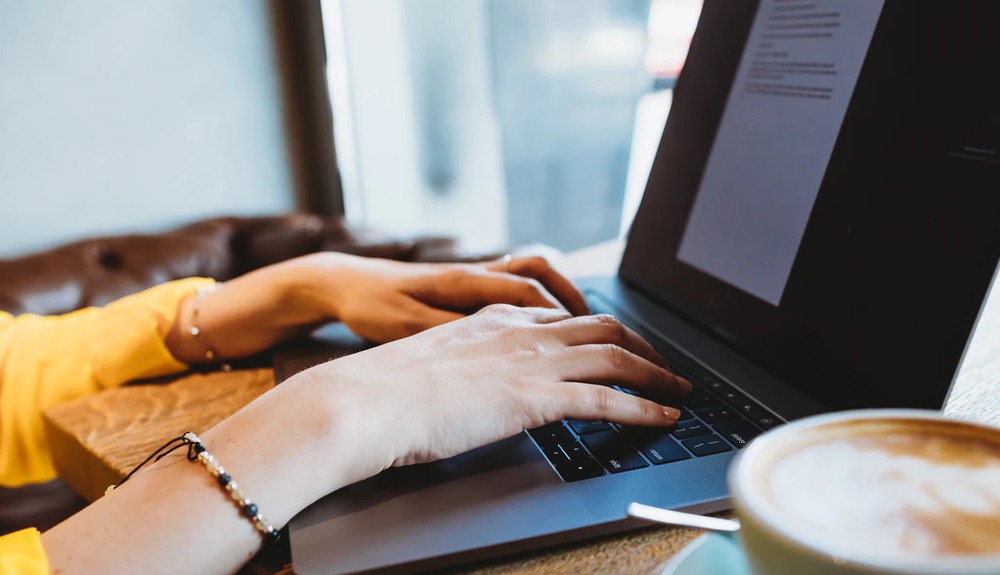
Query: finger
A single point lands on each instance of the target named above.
(575, 400)
(603, 328)
(476, 289)
(611, 364)
(538, 268)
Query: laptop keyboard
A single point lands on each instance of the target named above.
(715, 418)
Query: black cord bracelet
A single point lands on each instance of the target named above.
(196, 452)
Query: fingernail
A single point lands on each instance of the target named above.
(672, 413)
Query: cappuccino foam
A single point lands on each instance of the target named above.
(896, 486)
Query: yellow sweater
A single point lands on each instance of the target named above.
(49, 360)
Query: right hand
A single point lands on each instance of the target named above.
(490, 376)
(433, 395)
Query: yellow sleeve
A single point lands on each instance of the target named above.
(46, 360)
(21, 553)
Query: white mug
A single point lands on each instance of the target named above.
(774, 540)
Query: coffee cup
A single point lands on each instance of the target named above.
(871, 492)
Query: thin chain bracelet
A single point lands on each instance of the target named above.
(195, 328)
(197, 332)
(196, 452)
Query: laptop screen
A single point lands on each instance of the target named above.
(826, 195)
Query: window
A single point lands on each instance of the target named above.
(501, 121)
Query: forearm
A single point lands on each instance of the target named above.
(174, 518)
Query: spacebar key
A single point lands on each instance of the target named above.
(613, 452)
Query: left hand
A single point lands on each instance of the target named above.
(384, 300)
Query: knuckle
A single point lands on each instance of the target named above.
(604, 399)
(498, 310)
(617, 357)
(533, 350)
(556, 314)
(537, 262)
(495, 318)
(614, 329)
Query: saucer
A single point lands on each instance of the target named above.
(710, 554)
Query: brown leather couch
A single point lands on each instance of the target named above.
(99, 270)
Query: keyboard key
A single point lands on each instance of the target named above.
(691, 428)
(761, 418)
(706, 445)
(734, 398)
(714, 384)
(663, 450)
(577, 470)
(740, 403)
(579, 464)
(575, 451)
(551, 435)
(767, 422)
(700, 399)
(739, 433)
(717, 414)
(613, 452)
(555, 455)
(637, 434)
(685, 415)
(585, 427)
(747, 408)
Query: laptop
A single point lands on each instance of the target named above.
(819, 229)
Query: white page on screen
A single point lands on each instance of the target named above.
(788, 101)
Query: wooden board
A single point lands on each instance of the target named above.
(96, 440)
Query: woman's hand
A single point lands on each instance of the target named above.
(380, 300)
(384, 300)
(436, 394)
(487, 377)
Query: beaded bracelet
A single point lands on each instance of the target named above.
(196, 452)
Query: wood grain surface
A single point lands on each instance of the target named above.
(98, 439)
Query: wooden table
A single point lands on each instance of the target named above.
(98, 439)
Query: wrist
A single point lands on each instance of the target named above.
(179, 341)
(308, 285)
(287, 449)
(353, 434)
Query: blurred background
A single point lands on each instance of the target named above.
(500, 122)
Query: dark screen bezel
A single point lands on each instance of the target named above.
(795, 341)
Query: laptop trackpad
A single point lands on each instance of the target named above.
(493, 495)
